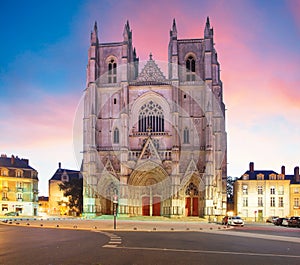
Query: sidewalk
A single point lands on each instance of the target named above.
(122, 224)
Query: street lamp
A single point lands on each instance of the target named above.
(115, 210)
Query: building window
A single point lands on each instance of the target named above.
(186, 136)
(116, 136)
(272, 177)
(260, 202)
(245, 190)
(272, 201)
(280, 190)
(115, 101)
(296, 202)
(4, 196)
(151, 118)
(18, 173)
(272, 190)
(245, 202)
(260, 177)
(190, 69)
(280, 201)
(260, 190)
(112, 71)
(296, 190)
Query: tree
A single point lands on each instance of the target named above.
(73, 190)
(229, 187)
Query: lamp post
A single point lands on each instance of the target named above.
(115, 210)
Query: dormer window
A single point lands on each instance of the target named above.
(112, 71)
(190, 69)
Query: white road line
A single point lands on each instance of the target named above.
(213, 252)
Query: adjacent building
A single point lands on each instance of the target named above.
(259, 194)
(154, 142)
(58, 203)
(18, 186)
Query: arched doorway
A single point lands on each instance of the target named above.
(149, 184)
(191, 200)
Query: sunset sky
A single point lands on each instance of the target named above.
(43, 59)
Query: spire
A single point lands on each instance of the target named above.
(94, 34)
(208, 32)
(173, 32)
(127, 32)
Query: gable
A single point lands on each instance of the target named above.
(151, 72)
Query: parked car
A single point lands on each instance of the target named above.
(285, 222)
(271, 219)
(235, 220)
(12, 214)
(280, 220)
(294, 221)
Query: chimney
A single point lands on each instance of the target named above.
(283, 170)
(12, 159)
(251, 167)
(296, 174)
(59, 165)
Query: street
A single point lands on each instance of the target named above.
(28, 245)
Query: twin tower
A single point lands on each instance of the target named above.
(154, 142)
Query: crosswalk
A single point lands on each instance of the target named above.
(114, 240)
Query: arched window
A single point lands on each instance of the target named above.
(190, 69)
(186, 136)
(191, 190)
(151, 118)
(112, 71)
(116, 136)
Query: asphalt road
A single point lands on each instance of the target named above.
(39, 246)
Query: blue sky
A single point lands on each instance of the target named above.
(43, 59)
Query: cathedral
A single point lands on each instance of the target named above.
(154, 138)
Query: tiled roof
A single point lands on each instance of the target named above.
(71, 174)
(253, 174)
(14, 162)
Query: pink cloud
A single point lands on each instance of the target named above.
(29, 124)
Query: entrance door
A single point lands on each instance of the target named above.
(146, 206)
(188, 206)
(260, 215)
(195, 206)
(191, 206)
(108, 207)
(156, 206)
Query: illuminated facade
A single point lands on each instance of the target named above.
(157, 144)
(259, 194)
(58, 203)
(295, 193)
(18, 186)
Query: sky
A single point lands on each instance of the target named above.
(43, 58)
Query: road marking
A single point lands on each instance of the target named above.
(212, 252)
(114, 240)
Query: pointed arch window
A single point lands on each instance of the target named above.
(112, 71)
(186, 136)
(116, 136)
(191, 190)
(151, 118)
(190, 65)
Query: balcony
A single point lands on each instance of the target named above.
(19, 189)
(19, 199)
(4, 199)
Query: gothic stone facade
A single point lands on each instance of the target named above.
(156, 145)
